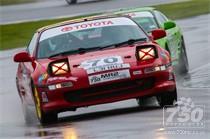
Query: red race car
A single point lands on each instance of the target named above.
(93, 61)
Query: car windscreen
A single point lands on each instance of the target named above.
(145, 19)
(87, 35)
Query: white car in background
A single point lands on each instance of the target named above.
(71, 1)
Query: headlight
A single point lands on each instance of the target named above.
(59, 68)
(146, 53)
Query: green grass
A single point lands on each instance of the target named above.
(18, 35)
(9, 2)
(185, 9)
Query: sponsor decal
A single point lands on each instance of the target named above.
(56, 78)
(52, 79)
(107, 67)
(109, 76)
(42, 78)
(131, 14)
(139, 14)
(86, 25)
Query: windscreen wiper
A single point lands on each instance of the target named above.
(79, 50)
(83, 50)
(131, 41)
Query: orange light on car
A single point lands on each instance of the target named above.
(60, 68)
(146, 53)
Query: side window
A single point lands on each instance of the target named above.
(166, 19)
(32, 44)
(160, 17)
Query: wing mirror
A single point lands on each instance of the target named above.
(158, 34)
(22, 57)
(169, 25)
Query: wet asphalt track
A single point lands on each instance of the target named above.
(120, 120)
(45, 9)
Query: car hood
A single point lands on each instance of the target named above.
(81, 63)
(126, 54)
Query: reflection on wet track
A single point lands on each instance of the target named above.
(115, 120)
(199, 78)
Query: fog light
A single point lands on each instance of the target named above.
(138, 72)
(155, 69)
(51, 87)
(162, 68)
(60, 85)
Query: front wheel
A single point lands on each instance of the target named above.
(43, 117)
(144, 101)
(183, 60)
(167, 99)
(71, 1)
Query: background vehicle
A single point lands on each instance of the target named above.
(71, 1)
(150, 18)
(90, 62)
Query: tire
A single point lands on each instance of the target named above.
(167, 99)
(167, 49)
(43, 117)
(142, 101)
(71, 1)
(48, 118)
(183, 67)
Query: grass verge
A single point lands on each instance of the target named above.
(185, 9)
(18, 35)
(10, 2)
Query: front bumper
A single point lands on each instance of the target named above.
(137, 86)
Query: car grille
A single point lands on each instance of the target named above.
(109, 90)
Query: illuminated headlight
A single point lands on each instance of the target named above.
(146, 53)
(60, 85)
(59, 68)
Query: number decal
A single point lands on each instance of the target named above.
(94, 62)
(101, 62)
(111, 60)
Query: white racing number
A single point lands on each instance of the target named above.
(104, 64)
(89, 64)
